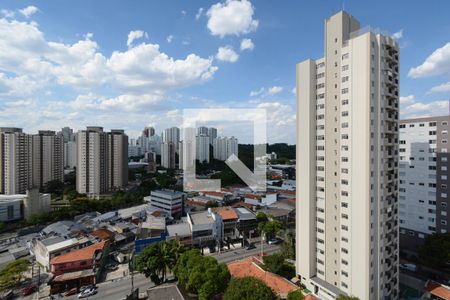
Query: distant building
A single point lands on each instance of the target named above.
(168, 155)
(150, 158)
(202, 145)
(212, 133)
(202, 130)
(224, 147)
(148, 131)
(48, 158)
(172, 135)
(168, 201)
(16, 161)
(102, 163)
(68, 134)
(70, 155)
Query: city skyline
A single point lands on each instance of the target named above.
(230, 64)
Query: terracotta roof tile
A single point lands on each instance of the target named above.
(226, 212)
(438, 289)
(103, 234)
(249, 267)
(80, 254)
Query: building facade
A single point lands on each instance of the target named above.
(347, 164)
(168, 155)
(48, 158)
(224, 147)
(424, 166)
(202, 151)
(16, 161)
(168, 201)
(102, 163)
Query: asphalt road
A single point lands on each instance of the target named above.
(241, 253)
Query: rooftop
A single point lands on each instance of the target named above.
(103, 234)
(226, 213)
(170, 193)
(250, 267)
(180, 229)
(437, 289)
(203, 217)
(245, 213)
(80, 254)
(169, 291)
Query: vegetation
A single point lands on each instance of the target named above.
(201, 275)
(288, 246)
(211, 203)
(270, 227)
(342, 297)
(158, 259)
(275, 263)
(295, 295)
(249, 288)
(53, 187)
(12, 274)
(436, 251)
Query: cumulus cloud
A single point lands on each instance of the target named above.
(442, 88)
(7, 13)
(247, 44)
(437, 63)
(199, 13)
(407, 99)
(227, 54)
(134, 35)
(169, 39)
(411, 108)
(233, 17)
(294, 90)
(29, 11)
(398, 35)
(264, 92)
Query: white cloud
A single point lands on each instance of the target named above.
(7, 13)
(227, 54)
(199, 13)
(442, 88)
(134, 35)
(169, 39)
(183, 13)
(437, 63)
(275, 90)
(233, 17)
(29, 11)
(247, 44)
(407, 99)
(257, 93)
(294, 90)
(398, 35)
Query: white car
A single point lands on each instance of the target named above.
(87, 292)
(408, 267)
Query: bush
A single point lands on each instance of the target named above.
(295, 295)
(248, 288)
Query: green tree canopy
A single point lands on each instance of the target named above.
(12, 273)
(295, 295)
(270, 228)
(248, 288)
(436, 250)
(201, 275)
(158, 259)
(343, 297)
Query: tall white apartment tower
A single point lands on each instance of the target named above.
(16, 175)
(102, 161)
(347, 165)
(48, 157)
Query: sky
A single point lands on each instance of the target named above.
(131, 64)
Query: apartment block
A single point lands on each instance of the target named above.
(168, 201)
(16, 163)
(168, 155)
(347, 164)
(202, 151)
(48, 158)
(224, 147)
(102, 163)
(424, 166)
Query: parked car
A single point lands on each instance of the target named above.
(70, 292)
(251, 246)
(90, 286)
(87, 292)
(274, 241)
(29, 290)
(408, 267)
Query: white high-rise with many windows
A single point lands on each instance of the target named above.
(347, 164)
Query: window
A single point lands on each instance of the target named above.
(345, 68)
(345, 113)
(432, 124)
(345, 91)
(345, 102)
(345, 56)
(320, 85)
(345, 79)
(320, 75)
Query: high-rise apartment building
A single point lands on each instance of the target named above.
(168, 150)
(212, 133)
(148, 131)
(224, 147)
(102, 163)
(16, 163)
(70, 154)
(172, 135)
(202, 130)
(347, 165)
(48, 157)
(424, 179)
(202, 148)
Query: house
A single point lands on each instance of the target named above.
(230, 221)
(247, 222)
(206, 227)
(251, 267)
(436, 291)
(180, 232)
(260, 200)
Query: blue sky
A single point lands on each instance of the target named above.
(122, 64)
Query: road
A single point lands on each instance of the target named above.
(241, 253)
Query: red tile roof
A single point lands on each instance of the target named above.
(311, 297)
(438, 289)
(103, 234)
(226, 213)
(85, 253)
(250, 267)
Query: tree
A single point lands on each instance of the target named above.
(201, 275)
(158, 259)
(53, 187)
(270, 228)
(295, 295)
(12, 273)
(288, 246)
(436, 250)
(343, 297)
(275, 264)
(211, 203)
(249, 288)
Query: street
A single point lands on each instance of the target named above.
(241, 253)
